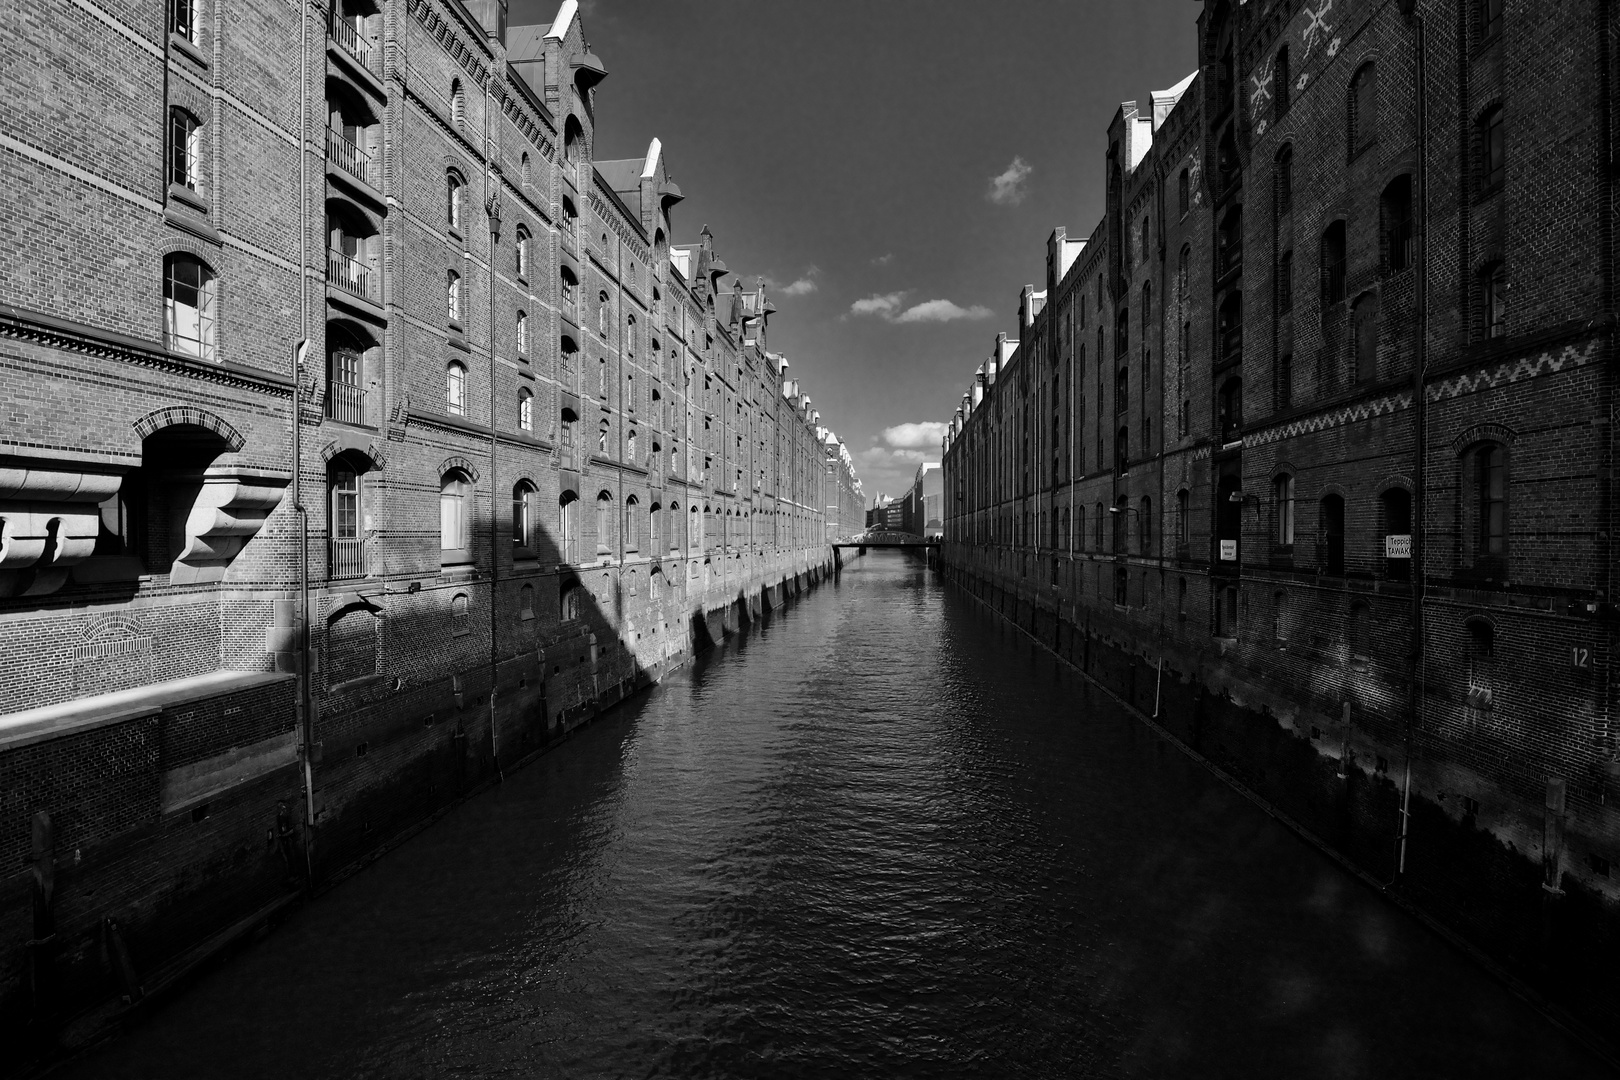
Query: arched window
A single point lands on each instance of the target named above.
(568, 525)
(1184, 193)
(188, 306)
(630, 447)
(185, 149)
(1183, 516)
(1146, 245)
(1281, 90)
(452, 296)
(630, 336)
(1332, 526)
(1285, 282)
(460, 615)
(1363, 108)
(1490, 18)
(1146, 527)
(1122, 450)
(1333, 264)
(569, 606)
(569, 419)
(653, 530)
(1183, 271)
(453, 188)
(1364, 321)
(523, 510)
(523, 169)
(1485, 512)
(455, 490)
(455, 388)
(1395, 507)
(522, 252)
(458, 103)
(1147, 310)
(1492, 150)
(1396, 211)
(601, 376)
(602, 314)
(604, 522)
(632, 523)
(522, 332)
(525, 410)
(1279, 616)
(1282, 498)
(602, 437)
(346, 543)
(1282, 181)
(1493, 284)
(1122, 332)
(1285, 380)
(526, 593)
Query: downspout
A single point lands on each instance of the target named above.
(303, 706)
(492, 208)
(1419, 418)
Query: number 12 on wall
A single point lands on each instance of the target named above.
(1581, 656)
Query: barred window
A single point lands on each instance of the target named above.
(1363, 104)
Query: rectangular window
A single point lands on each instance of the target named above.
(185, 20)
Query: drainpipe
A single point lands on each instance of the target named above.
(1419, 660)
(303, 707)
(492, 207)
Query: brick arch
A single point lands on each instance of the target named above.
(352, 445)
(1483, 433)
(456, 461)
(1397, 480)
(351, 605)
(190, 245)
(1333, 489)
(190, 415)
(1284, 466)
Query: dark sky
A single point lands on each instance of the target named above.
(847, 150)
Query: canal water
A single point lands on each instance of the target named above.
(879, 835)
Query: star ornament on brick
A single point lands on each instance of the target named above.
(1333, 48)
(1302, 81)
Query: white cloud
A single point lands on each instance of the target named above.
(884, 259)
(876, 457)
(926, 435)
(942, 311)
(891, 308)
(1007, 189)
(805, 283)
(885, 305)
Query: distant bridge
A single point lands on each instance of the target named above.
(883, 538)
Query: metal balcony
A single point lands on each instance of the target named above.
(348, 274)
(346, 402)
(345, 34)
(347, 156)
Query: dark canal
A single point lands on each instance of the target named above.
(881, 835)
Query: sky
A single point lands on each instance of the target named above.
(891, 168)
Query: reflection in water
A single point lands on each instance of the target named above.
(881, 834)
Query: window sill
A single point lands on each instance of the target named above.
(188, 49)
(187, 197)
(455, 232)
(455, 558)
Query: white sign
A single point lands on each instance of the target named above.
(1228, 551)
(1398, 546)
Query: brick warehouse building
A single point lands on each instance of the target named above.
(541, 454)
(1317, 423)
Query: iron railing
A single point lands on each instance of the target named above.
(346, 402)
(346, 35)
(348, 274)
(347, 156)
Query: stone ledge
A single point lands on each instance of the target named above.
(47, 722)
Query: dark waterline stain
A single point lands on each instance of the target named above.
(879, 835)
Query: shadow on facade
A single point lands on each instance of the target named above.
(154, 841)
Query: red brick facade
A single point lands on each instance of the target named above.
(512, 495)
(1372, 315)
